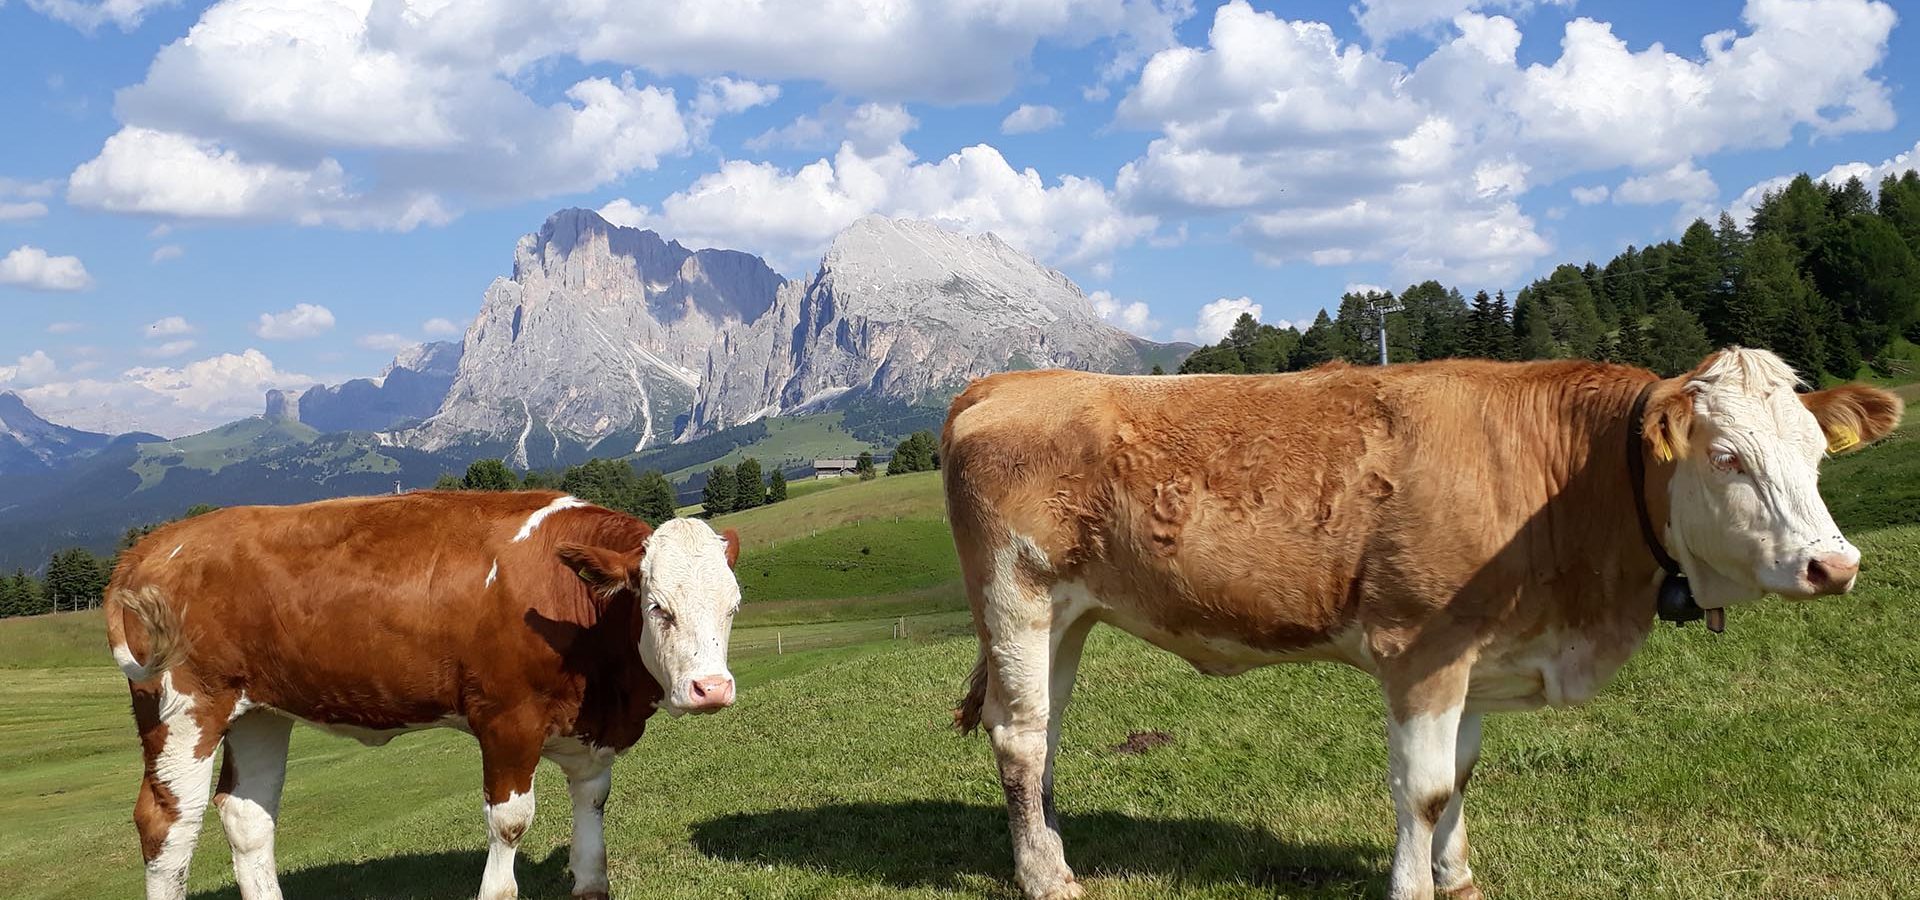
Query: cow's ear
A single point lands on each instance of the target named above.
(1854, 415)
(598, 566)
(732, 538)
(1668, 419)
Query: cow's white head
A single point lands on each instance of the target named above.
(1746, 517)
(682, 580)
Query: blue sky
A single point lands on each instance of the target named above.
(356, 173)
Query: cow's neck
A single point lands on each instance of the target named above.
(618, 693)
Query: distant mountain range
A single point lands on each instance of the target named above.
(604, 341)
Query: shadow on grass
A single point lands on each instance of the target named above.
(934, 844)
(426, 876)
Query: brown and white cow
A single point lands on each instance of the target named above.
(540, 624)
(1465, 531)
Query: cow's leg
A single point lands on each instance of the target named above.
(1068, 641)
(1451, 874)
(1423, 728)
(1019, 719)
(589, 778)
(178, 734)
(252, 771)
(508, 756)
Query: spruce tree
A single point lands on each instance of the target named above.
(776, 486)
(748, 490)
(716, 498)
(489, 475)
(655, 496)
(1675, 340)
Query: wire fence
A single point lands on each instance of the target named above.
(774, 641)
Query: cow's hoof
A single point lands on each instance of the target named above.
(1468, 891)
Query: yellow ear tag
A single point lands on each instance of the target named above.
(1841, 439)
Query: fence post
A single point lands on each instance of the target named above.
(779, 648)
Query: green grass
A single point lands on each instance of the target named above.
(214, 450)
(914, 496)
(790, 440)
(876, 556)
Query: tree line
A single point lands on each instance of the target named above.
(76, 578)
(612, 483)
(1827, 276)
(736, 488)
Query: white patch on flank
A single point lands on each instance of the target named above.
(176, 551)
(494, 572)
(511, 817)
(541, 514)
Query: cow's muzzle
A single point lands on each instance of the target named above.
(710, 693)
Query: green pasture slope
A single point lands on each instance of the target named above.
(1777, 760)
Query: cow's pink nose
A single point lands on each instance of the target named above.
(1832, 573)
(712, 692)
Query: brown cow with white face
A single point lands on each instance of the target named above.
(540, 624)
(1467, 532)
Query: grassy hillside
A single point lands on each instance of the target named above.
(789, 443)
(914, 496)
(1767, 762)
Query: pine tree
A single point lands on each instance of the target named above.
(1316, 345)
(656, 499)
(1533, 338)
(863, 465)
(1157, 370)
(915, 454)
(449, 482)
(1505, 346)
(1798, 214)
(489, 475)
(748, 490)
(1630, 343)
(776, 486)
(1675, 340)
(1696, 276)
(716, 498)
(75, 580)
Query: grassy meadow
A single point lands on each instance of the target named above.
(1777, 760)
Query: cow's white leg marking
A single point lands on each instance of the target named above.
(1069, 640)
(1451, 874)
(493, 573)
(541, 514)
(507, 822)
(1018, 715)
(256, 769)
(189, 778)
(1420, 755)
(589, 778)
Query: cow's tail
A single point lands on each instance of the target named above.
(166, 637)
(966, 717)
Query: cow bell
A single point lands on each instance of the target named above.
(1676, 602)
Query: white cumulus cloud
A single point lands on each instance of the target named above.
(790, 215)
(442, 328)
(387, 341)
(1134, 317)
(1333, 154)
(33, 369)
(166, 252)
(34, 269)
(304, 320)
(1217, 318)
(1870, 173)
(1029, 118)
(166, 400)
(170, 326)
(21, 210)
(125, 15)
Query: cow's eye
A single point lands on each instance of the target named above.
(1728, 461)
(659, 612)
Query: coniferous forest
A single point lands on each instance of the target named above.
(1827, 276)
